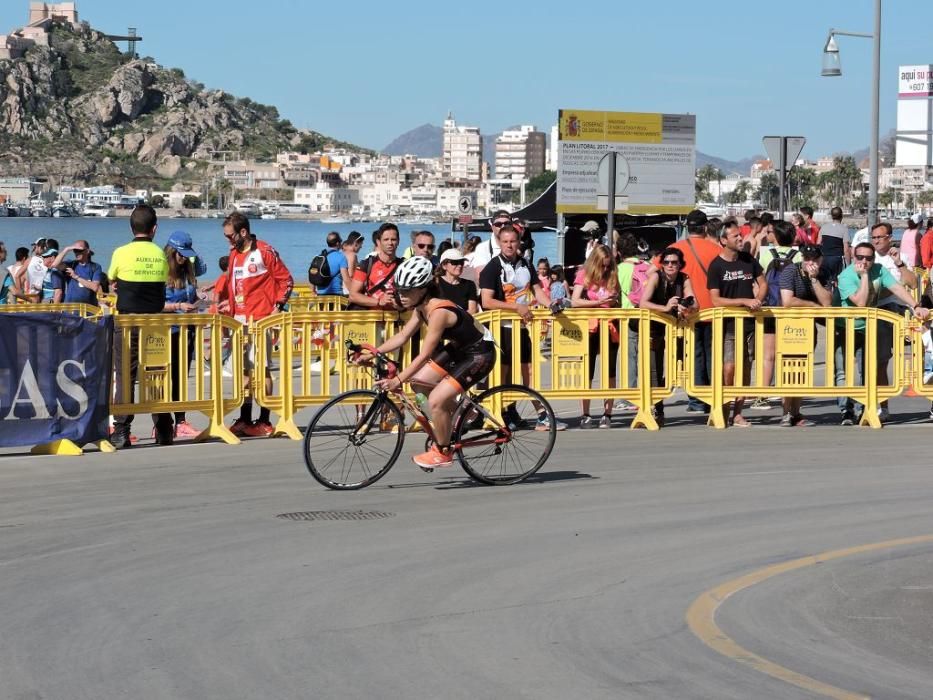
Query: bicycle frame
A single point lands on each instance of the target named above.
(386, 368)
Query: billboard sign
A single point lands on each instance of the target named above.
(660, 150)
(914, 145)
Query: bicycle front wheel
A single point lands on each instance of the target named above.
(509, 439)
(353, 440)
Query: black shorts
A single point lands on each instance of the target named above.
(505, 344)
(466, 367)
(594, 356)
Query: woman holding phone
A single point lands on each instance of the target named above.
(669, 292)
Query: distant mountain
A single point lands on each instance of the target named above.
(426, 141)
(742, 167)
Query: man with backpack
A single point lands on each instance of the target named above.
(328, 271)
(774, 259)
(372, 285)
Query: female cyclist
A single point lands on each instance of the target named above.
(440, 372)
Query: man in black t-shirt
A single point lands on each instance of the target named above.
(736, 279)
(510, 283)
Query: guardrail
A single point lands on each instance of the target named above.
(857, 332)
(83, 310)
(199, 336)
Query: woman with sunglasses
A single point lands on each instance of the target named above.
(669, 292)
(450, 283)
(442, 372)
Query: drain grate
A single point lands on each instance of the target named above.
(336, 515)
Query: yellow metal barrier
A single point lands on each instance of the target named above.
(201, 336)
(306, 353)
(564, 373)
(83, 310)
(795, 368)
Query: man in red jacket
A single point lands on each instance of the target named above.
(257, 285)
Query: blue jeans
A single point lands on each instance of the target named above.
(702, 360)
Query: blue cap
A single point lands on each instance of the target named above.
(181, 241)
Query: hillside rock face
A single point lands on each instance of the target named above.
(80, 109)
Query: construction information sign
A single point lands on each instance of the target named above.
(660, 150)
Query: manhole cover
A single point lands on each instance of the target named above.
(336, 515)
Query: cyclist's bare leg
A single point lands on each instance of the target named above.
(427, 378)
(526, 380)
(443, 402)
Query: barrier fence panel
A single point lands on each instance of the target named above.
(305, 353)
(857, 343)
(614, 342)
(83, 310)
(165, 347)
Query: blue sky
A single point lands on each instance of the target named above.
(367, 71)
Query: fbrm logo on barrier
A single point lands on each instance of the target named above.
(155, 342)
(574, 334)
(66, 393)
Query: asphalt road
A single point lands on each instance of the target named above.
(166, 573)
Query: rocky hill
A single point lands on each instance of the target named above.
(80, 110)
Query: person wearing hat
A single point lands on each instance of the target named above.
(30, 276)
(489, 250)
(460, 291)
(181, 296)
(594, 235)
(53, 283)
(82, 275)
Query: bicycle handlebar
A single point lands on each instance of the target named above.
(383, 362)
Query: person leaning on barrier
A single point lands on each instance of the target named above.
(862, 285)
(596, 286)
(736, 279)
(258, 285)
(698, 253)
(83, 275)
(181, 296)
(668, 292)
(801, 286)
(138, 270)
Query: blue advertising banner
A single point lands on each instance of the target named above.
(55, 377)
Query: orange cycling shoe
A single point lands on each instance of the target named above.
(433, 459)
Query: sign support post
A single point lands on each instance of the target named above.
(611, 214)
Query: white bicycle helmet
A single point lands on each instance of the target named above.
(414, 273)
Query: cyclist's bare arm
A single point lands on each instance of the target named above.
(403, 336)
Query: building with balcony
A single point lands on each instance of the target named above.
(462, 154)
(520, 153)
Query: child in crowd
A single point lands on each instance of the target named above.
(214, 287)
(558, 291)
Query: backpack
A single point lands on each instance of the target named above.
(319, 274)
(640, 271)
(773, 275)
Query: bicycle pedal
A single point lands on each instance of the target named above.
(426, 470)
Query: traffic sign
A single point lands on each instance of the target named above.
(465, 205)
(466, 219)
(792, 151)
(623, 172)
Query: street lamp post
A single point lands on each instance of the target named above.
(832, 68)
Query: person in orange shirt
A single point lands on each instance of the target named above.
(926, 246)
(699, 251)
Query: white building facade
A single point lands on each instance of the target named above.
(520, 153)
(462, 157)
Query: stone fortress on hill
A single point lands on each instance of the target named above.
(41, 16)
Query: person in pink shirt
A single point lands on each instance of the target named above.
(597, 286)
(910, 241)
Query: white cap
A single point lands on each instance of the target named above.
(917, 218)
(452, 254)
(590, 226)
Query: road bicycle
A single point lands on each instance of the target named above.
(356, 438)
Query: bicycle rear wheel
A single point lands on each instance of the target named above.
(353, 440)
(492, 453)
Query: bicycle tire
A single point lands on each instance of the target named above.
(504, 463)
(332, 438)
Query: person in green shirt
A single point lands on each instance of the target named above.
(861, 285)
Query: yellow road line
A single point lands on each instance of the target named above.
(701, 616)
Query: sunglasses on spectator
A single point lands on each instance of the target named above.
(881, 237)
(455, 262)
(865, 257)
(502, 222)
(425, 246)
(671, 261)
